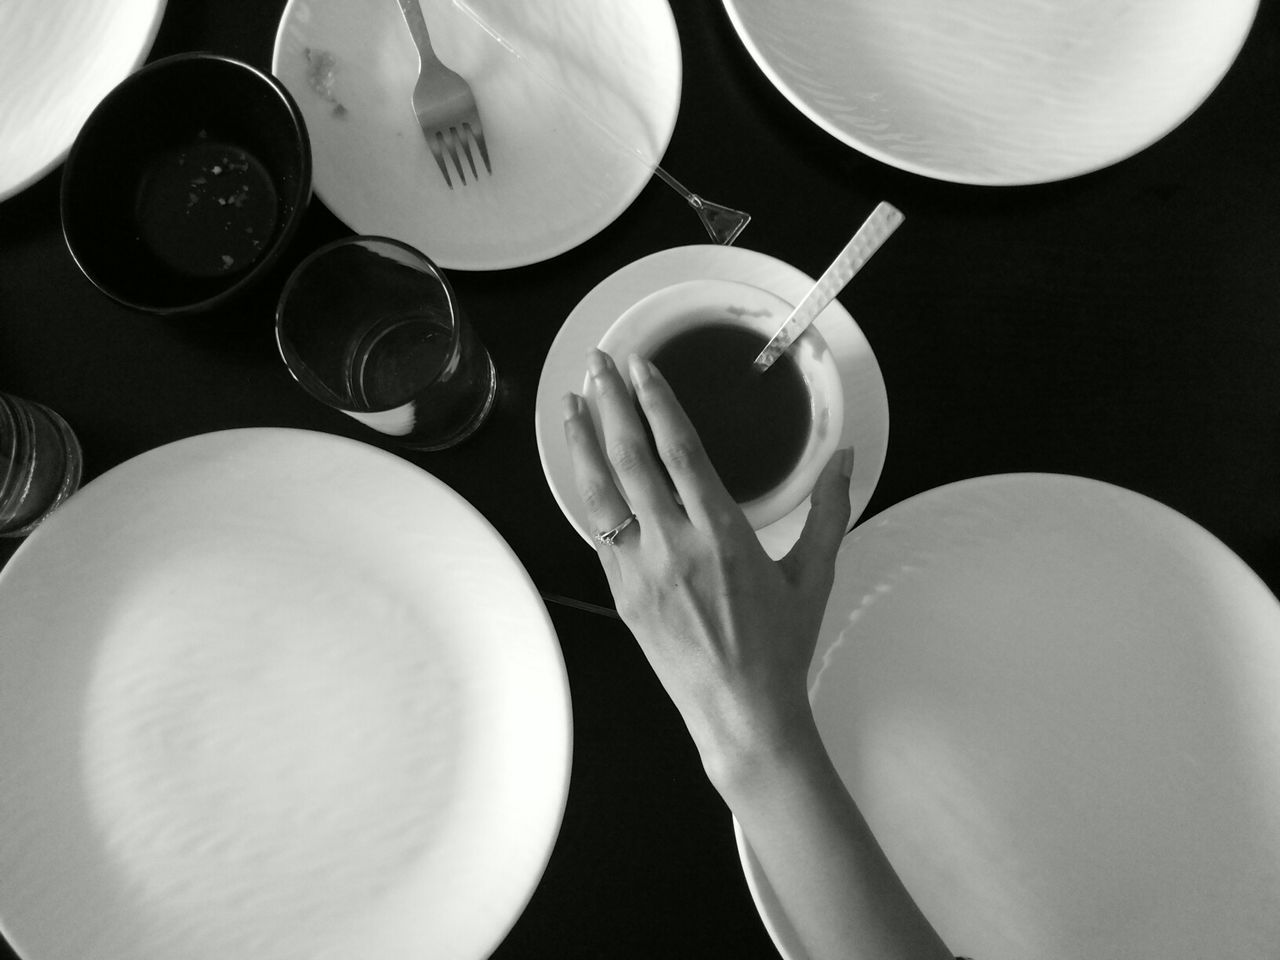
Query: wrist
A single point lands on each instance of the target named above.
(741, 759)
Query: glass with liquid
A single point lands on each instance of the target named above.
(40, 464)
(370, 326)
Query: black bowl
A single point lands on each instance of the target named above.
(186, 183)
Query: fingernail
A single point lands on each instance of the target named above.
(641, 370)
(846, 462)
(572, 405)
(597, 362)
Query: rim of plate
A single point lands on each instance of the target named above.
(144, 51)
(938, 172)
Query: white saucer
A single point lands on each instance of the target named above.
(274, 694)
(1055, 701)
(58, 59)
(866, 419)
(557, 178)
(995, 91)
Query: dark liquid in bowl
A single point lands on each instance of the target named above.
(753, 425)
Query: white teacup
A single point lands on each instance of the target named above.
(656, 319)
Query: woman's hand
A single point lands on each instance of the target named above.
(729, 632)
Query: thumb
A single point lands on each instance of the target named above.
(828, 519)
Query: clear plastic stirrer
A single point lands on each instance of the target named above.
(724, 224)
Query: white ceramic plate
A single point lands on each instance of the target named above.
(557, 180)
(866, 418)
(58, 59)
(1055, 702)
(273, 694)
(995, 91)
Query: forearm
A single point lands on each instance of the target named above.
(830, 875)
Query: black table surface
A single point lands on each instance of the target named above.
(1123, 325)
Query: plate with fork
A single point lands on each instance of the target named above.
(574, 101)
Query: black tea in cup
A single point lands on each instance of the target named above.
(754, 425)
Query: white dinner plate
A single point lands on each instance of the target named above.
(273, 694)
(995, 91)
(1055, 701)
(58, 59)
(866, 417)
(558, 176)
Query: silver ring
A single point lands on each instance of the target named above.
(607, 537)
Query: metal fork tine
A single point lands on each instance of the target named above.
(466, 148)
(451, 144)
(434, 143)
(477, 133)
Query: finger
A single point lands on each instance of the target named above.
(626, 446)
(605, 506)
(815, 552)
(703, 494)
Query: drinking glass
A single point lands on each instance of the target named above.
(40, 463)
(371, 327)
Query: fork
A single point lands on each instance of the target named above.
(444, 104)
